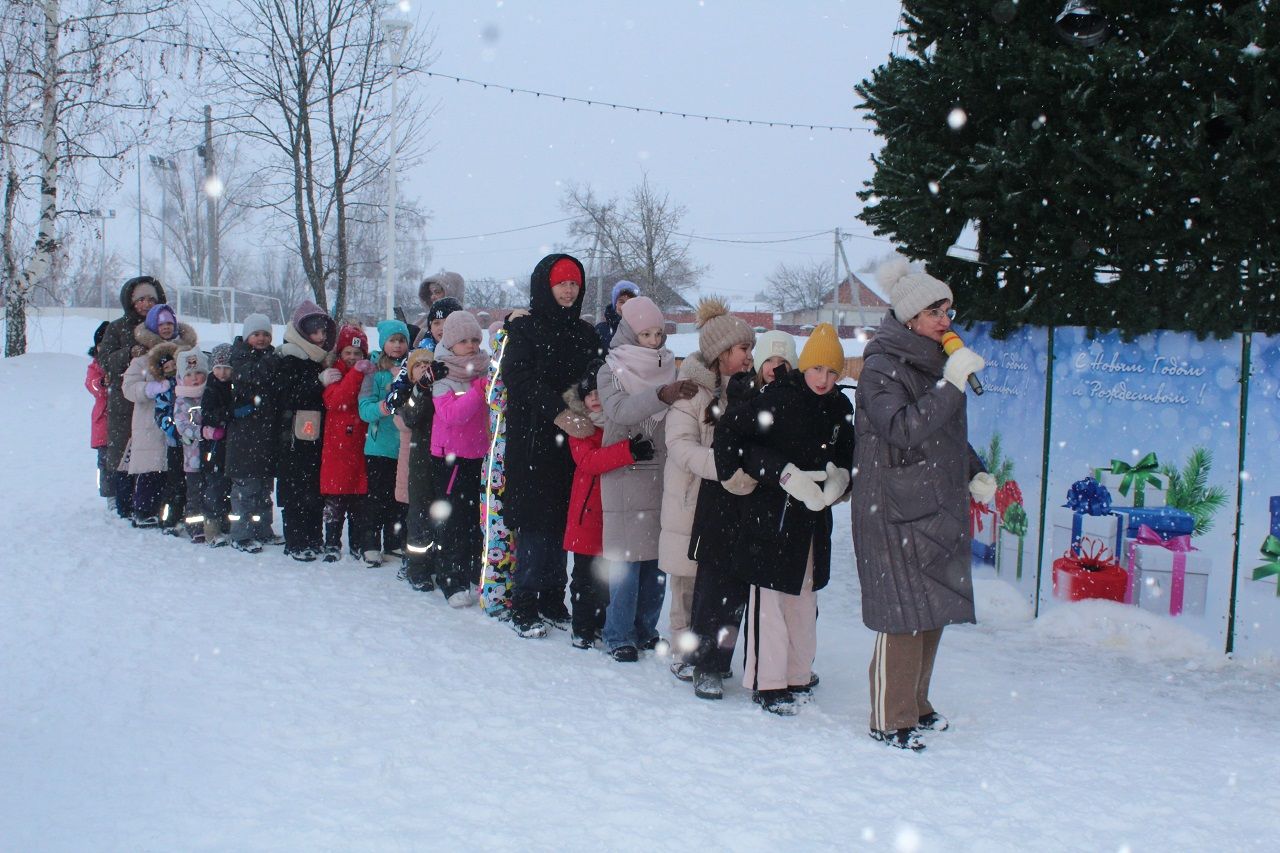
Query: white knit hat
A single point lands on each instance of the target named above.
(775, 342)
(910, 291)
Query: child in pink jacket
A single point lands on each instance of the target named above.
(459, 441)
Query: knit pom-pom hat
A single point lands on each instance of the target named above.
(910, 291)
(719, 331)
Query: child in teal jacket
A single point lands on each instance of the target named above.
(383, 521)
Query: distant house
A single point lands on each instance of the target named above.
(853, 305)
(754, 319)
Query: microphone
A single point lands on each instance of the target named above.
(950, 343)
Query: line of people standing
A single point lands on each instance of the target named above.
(714, 477)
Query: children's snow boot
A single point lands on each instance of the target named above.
(899, 739)
(779, 702)
(708, 685)
(527, 624)
(249, 546)
(682, 671)
(583, 642)
(552, 610)
(372, 558)
(332, 553)
(302, 555)
(462, 598)
(146, 521)
(805, 688)
(655, 644)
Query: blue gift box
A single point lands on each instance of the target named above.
(983, 552)
(1165, 520)
(1275, 516)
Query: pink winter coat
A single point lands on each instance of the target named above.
(461, 424)
(95, 381)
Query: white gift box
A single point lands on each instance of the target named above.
(1155, 586)
(1106, 530)
(1152, 494)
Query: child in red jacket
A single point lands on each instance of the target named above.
(583, 421)
(95, 382)
(343, 480)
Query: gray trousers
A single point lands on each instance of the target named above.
(251, 509)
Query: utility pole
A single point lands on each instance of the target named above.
(163, 164)
(854, 293)
(102, 217)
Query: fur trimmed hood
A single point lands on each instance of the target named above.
(160, 353)
(695, 367)
(576, 419)
(186, 338)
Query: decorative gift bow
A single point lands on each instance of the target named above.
(1093, 556)
(1008, 495)
(1089, 497)
(1015, 519)
(1178, 544)
(976, 511)
(1271, 553)
(1138, 476)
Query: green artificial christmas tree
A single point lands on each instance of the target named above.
(1134, 184)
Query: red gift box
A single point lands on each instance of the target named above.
(1093, 573)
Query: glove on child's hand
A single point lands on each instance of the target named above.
(803, 486)
(364, 365)
(330, 375)
(837, 483)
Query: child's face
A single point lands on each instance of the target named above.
(735, 359)
(395, 347)
(437, 329)
(466, 346)
(165, 330)
(566, 293)
(223, 372)
(593, 402)
(195, 378)
(350, 355)
(768, 370)
(317, 337)
(652, 338)
(259, 340)
(821, 379)
(419, 368)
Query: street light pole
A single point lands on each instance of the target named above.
(397, 31)
(163, 164)
(102, 216)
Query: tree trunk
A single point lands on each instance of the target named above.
(46, 243)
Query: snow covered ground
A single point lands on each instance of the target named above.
(161, 696)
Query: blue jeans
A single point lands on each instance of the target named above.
(636, 591)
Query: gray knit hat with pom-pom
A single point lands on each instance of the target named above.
(718, 330)
(910, 291)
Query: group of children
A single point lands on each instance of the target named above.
(712, 477)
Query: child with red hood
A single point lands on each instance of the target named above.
(343, 480)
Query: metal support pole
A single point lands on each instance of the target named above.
(211, 174)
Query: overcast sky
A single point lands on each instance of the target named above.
(500, 161)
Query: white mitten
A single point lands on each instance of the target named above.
(960, 365)
(330, 375)
(982, 487)
(836, 484)
(803, 486)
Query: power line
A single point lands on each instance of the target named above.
(822, 233)
(507, 231)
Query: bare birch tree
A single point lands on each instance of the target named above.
(310, 79)
(74, 72)
(638, 236)
(794, 287)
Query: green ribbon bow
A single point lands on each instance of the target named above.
(1138, 476)
(1014, 521)
(1270, 552)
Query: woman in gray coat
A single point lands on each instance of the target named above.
(913, 473)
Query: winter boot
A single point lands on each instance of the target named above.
(583, 641)
(552, 610)
(899, 739)
(779, 702)
(372, 558)
(527, 624)
(146, 521)
(249, 546)
(934, 722)
(655, 644)
(460, 599)
(708, 685)
(302, 555)
(332, 553)
(807, 688)
(682, 671)
(625, 654)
